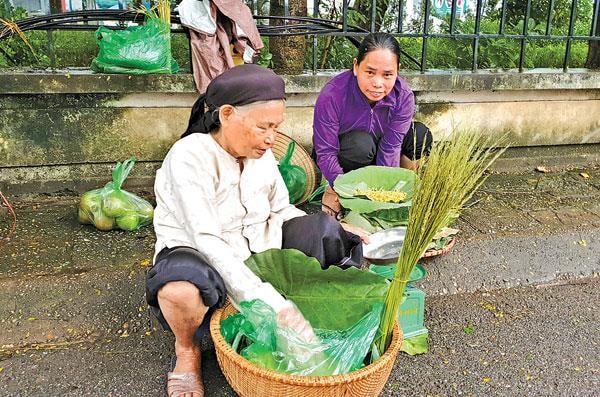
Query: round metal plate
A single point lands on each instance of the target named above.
(384, 246)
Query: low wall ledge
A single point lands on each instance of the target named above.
(79, 81)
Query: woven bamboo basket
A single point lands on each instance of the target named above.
(301, 158)
(250, 380)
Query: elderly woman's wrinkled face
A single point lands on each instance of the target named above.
(250, 130)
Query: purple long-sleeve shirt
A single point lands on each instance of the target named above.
(341, 107)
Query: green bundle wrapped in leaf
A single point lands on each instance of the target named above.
(381, 195)
(294, 176)
(111, 206)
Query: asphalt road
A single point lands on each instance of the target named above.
(527, 341)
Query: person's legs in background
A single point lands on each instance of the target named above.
(417, 143)
(357, 150)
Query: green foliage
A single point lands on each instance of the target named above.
(77, 48)
(265, 58)
(445, 53)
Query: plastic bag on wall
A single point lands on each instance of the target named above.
(142, 49)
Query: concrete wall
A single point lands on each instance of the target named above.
(81, 123)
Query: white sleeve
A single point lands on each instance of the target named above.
(193, 190)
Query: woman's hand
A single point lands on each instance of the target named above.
(363, 234)
(290, 317)
(331, 202)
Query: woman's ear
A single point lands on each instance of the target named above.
(355, 67)
(225, 113)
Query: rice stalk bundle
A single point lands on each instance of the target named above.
(448, 177)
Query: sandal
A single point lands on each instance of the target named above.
(187, 383)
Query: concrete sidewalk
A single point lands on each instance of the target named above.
(512, 309)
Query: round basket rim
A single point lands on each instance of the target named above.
(225, 348)
(441, 251)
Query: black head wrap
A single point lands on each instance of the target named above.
(238, 86)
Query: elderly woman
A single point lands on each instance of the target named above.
(220, 197)
(363, 116)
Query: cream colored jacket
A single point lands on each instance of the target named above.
(204, 202)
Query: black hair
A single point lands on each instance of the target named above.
(378, 41)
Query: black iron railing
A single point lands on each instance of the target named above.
(418, 23)
(424, 19)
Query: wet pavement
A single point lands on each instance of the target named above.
(511, 310)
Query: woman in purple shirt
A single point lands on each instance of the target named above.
(364, 116)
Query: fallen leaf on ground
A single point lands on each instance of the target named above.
(541, 168)
(583, 243)
(145, 263)
(584, 175)
(487, 380)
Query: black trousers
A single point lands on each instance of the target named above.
(359, 148)
(317, 235)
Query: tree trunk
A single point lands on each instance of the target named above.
(593, 57)
(364, 7)
(288, 51)
(55, 6)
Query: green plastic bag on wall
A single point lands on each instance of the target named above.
(142, 49)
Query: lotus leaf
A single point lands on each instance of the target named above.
(332, 299)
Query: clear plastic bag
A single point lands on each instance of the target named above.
(255, 334)
(111, 207)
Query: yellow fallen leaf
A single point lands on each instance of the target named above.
(583, 243)
(487, 380)
(31, 318)
(145, 263)
(584, 175)
(1, 369)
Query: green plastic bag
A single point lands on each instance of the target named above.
(142, 49)
(111, 207)
(294, 176)
(281, 349)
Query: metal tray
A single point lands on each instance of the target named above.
(385, 246)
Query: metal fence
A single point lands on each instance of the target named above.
(473, 32)
(554, 21)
